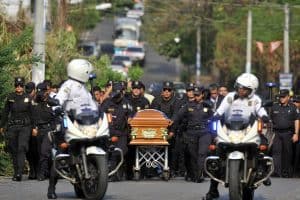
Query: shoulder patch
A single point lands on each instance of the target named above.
(229, 99)
(250, 103)
(190, 109)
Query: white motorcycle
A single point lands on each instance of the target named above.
(85, 164)
(238, 159)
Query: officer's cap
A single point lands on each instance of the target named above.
(29, 87)
(19, 81)
(41, 87)
(284, 93)
(190, 86)
(296, 98)
(168, 85)
(136, 85)
(198, 90)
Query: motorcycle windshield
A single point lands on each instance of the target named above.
(85, 115)
(238, 118)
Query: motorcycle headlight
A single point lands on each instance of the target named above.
(236, 136)
(89, 130)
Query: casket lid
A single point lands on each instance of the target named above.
(150, 117)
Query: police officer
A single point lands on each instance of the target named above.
(118, 111)
(138, 102)
(44, 121)
(169, 104)
(296, 101)
(17, 114)
(197, 136)
(32, 155)
(284, 115)
(71, 96)
(243, 98)
(136, 99)
(179, 161)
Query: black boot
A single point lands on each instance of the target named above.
(17, 177)
(211, 195)
(32, 174)
(51, 192)
(267, 182)
(199, 178)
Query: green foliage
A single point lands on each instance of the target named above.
(15, 58)
(61, 48)
(135, 73)
(83, 18)
(104, 72)
(6, 167)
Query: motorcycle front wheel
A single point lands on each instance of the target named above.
(95, 187)
(234, 179)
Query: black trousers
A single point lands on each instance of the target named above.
(18, 142)
(197, 149)
(44, 150)
(33, 156)
(282, 153)
(178, 157)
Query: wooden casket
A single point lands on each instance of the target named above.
(149, 127)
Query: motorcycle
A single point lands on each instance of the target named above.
(238, 159)
(85, 164)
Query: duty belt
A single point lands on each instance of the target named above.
(16, 122)
(44, 126)
(283, 130)
(198, 127)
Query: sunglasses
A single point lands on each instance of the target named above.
(197, 95)
(19, 85)
(167, 89)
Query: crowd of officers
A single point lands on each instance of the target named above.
(27, 118)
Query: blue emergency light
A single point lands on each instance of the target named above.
(271, 84)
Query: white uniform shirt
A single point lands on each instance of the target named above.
(74, 95)
(245, 105)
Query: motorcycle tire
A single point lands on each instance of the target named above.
(78, 191)
(234, 180)
(248, 194)
(95, 187)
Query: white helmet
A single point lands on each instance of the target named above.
(248, 81)
(79, 69)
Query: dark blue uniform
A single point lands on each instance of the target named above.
(197, 137)
(17, 115)
(118, 111)
(283, 118)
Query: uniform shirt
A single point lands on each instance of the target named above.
(284, 116)
(138, 103)
(73, 95)
(17, 107)
(249, 106)
(118, 114)
(195, 115)
(43, 115)
(168, 107)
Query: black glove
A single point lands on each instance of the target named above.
(58, 111)
(215, 117)
(52, 102)
(265, 119)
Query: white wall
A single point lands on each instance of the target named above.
(10, 7)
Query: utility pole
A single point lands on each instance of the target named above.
(286, 39)
(198, 55)
(249, 42)
(38, 68)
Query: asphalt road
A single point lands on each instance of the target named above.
(178, 189)
(157, 68)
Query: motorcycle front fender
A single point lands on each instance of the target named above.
(236, 155)
(93, 150)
